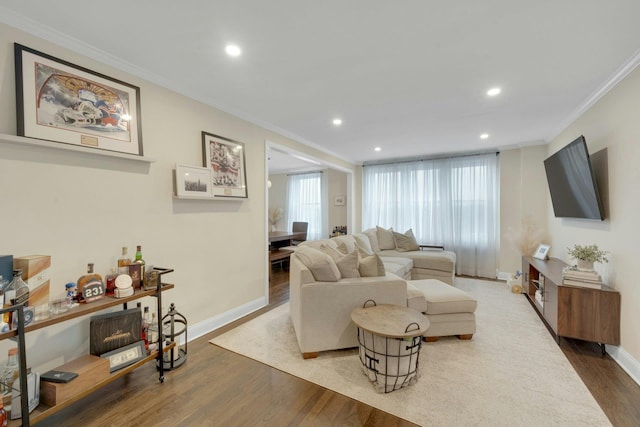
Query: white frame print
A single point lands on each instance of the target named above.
(339, 200)
(193, 182)
(226, 159)
(542, 251)
(65, 103)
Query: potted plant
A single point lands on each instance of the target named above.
(275, 215)
(587, 255)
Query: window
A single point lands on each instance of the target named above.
(452, 201)
(304, 202)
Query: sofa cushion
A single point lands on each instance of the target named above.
(429, 260)
(363, 244)
(371, 266)
(372, 234)
(442, 298)
(401, 267)
(406, 242)
(347, 264)
(345, 244)
(415, 298)
(321, 265)
(385, 238)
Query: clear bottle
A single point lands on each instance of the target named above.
(110, 281)
(142, 263)
(124, 261)
(16, 293)
(153, 333)
(146, 322)
(10, 374)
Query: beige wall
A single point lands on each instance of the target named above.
(611, 124)
(337, 183)
(82, 208)
(278, 197)
(523, 204)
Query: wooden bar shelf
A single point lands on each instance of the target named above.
(71, 396)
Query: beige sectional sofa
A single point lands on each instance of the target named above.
(321, 298)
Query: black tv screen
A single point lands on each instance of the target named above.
(574, 192)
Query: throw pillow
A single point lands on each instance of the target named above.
(385, 238)
(363, 244)
(372, 234)
(347, 264)
(406, 242)
(322, 266)
(371, 266)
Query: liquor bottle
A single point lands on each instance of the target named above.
(3, 415)
(146, 322)
(87, 280)
(142, 263)
(10, 373)
(124, 261)
(110, 281)
(153, 334)
(16, 293)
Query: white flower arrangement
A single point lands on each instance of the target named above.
(275, 215)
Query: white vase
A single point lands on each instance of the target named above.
(585, 265)
(273, 227)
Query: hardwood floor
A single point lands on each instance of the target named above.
(219, 388)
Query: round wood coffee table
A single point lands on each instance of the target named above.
(390, 338)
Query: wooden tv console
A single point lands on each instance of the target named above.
(571, 311)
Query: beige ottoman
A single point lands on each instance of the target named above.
(450, 310)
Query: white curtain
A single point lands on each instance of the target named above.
(453, 202)
(304, 202)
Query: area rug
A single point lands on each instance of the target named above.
(511, 373)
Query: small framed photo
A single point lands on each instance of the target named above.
(339, 200)
(542, 252)
(226, 159)
(65, 103)
(125, 356)
(193, 181)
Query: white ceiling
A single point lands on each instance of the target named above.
(409, 77)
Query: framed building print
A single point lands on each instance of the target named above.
(65, 103)
(193, 182)
(226, 159)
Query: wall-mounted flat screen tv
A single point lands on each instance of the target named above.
(574, 192)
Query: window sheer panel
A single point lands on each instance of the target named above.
(453, 202)
(304, 202)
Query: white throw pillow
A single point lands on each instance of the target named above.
(385, 239)
(363, 244)
(347, 264)
(372, 234)
(322, 266)
(406, 242)
(371, 266)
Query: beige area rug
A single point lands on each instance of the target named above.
(511, 373)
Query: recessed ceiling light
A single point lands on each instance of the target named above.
(337, 122)
(232, 50)
(377, 149)
(494, 91)
(484, 136)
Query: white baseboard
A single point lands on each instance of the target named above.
(213, 323)
(630, 365)
(503, 275)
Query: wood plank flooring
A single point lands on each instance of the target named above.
(219, 388)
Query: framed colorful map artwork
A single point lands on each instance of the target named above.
(226, 159)
(61, 102)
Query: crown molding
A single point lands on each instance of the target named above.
(623, 71)
(54, 36)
